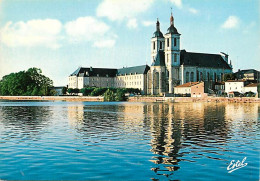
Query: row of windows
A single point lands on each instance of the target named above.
(130, 77)
(174, 57)
(129, 83)
(190, 77)
(167, 43)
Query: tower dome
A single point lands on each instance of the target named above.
(172, 29)
(158, 33)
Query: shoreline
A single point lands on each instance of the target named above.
(134, 99)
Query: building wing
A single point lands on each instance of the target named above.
(203, 60)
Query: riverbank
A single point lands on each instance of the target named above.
(195, 99)
(54, 98)
(134, 99)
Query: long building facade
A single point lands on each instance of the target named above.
(170, 67)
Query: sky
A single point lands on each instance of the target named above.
(59, 36)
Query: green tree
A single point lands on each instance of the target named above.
(109, 96)
(87, 91)
(98, 91)
(120, 95)
(64, 90)
(30, 82)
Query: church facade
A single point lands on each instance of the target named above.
(170, 67)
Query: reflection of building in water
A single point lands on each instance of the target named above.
(177, 126)
(76, 114)
(242, 115)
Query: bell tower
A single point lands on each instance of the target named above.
(172, 54)
(157, 42)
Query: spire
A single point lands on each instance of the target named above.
(171, 18)
(157, 25)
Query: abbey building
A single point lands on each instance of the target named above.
(170, 67)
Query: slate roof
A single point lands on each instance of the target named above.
(247, 71)
(203, 60)
(101, 72)
(104, 72)
(159, 59)
(143, 69)
(172, 30)
(158, 34)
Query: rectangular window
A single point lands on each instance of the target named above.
(154, 45)
(168, 42)
(175, 42)
(175, 57)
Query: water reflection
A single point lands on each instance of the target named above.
(177, 132)
(23, 122)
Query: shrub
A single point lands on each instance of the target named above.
(109, 96)
(120, 95)
(98, 91)
(86, 91)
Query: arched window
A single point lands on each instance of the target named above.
(192, 76)
(154, 45)
(175, 42)
(208, 77)
(215, 77)
(187, 76)
(160, 45)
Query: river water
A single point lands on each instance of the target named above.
(128, 141)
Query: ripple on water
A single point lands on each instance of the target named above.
(133, 141)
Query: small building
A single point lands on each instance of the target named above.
(235, 86)
(251, 88)
(251, 75)
(194, 89)
(219, 88)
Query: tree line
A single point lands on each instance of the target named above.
(26, 83)
(110, 94)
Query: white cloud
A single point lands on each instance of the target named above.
(104, 43)
(231, 22)
(132, 23)
(177, 3)
(193, 10)
(32, 33)
(119, 10)
(90, 29)
(148, 23)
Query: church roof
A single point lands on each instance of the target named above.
(158, 34)
(143, 69)
(172, 30)
(159, 59)
(203, 60)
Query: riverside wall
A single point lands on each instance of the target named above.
(54, 98)
(195, 99)
(134, 99)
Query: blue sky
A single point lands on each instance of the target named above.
(58, 36)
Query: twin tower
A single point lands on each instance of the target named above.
(165, 55)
